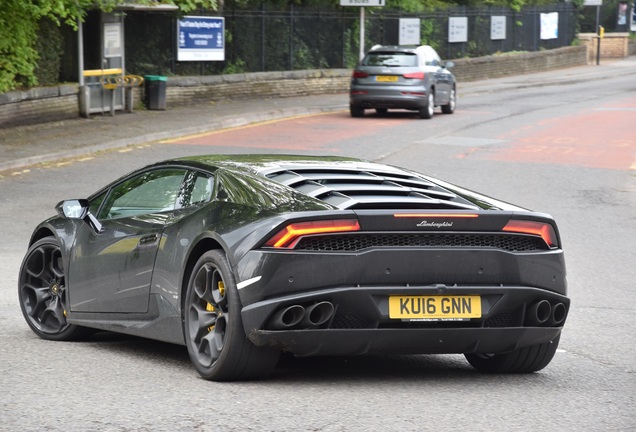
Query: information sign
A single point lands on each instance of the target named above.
(112, 40)
(362, 2)
(457, 29)
(409, 31)
(497, 27)
(549, 25)
(201, 39)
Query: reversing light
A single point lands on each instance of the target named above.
(414, 75)
(545, 230)
(288, 236)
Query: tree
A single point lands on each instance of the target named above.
(19, 24)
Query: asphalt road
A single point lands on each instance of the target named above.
(566, 150)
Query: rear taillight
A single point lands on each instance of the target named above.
(545, 230)
(289, 235)
(358, 74)
(414, 75)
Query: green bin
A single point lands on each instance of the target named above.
(155, 92)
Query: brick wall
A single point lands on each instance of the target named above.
(613, 45)
(473, 69)
(40, 105)
(185, 90)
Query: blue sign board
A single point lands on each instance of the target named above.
(201, 39)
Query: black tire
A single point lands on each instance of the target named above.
(213, 328)
(381, 111)
(43, 295)
(356, 111)
(523, 360)
(452, 102)
(426, 112)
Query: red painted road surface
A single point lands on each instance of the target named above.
(319, 132)
(596, 137)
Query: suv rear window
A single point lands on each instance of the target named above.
(390, 59)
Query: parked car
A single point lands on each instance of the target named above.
(240, 258)
(399, 77)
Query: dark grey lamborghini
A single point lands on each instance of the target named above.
(240, 258)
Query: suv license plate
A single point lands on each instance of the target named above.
(386, 78)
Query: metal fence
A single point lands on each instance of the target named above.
(294, 37)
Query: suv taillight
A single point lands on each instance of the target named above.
(358, 74)
(414, 75)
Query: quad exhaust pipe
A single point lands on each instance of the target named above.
(559, 311)
(287, 317)
(301, 317)
(544, 313)
(317, 314)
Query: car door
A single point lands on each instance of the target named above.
(111, 271)
(442, 76)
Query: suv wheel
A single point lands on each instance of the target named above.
(356, 111)
(452, 101)
(426, 112)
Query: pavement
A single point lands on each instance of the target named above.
(25, 146)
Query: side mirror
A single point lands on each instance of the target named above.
(449, 64)
(73, 209)
(78, 209)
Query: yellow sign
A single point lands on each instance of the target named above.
(386, 78)
(435, 307)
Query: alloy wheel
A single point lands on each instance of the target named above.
(42, 289)
(208, 315)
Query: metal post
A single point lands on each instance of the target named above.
(598, 46)
(80, 50)
(361, 32)
(84, 93)
(291, 37)
(262, 36)
(598, 15)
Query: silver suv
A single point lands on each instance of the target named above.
(412, 78)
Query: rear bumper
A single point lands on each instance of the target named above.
(403, 341)
(278, 288)
(397, 101)
(359, 322)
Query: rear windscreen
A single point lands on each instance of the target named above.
(390, 59)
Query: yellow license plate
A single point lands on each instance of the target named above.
(434, 307)
(386, 78)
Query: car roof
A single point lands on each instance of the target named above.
(399, 48)
(339, 181)
(266, 164)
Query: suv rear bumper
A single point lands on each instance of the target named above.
(413, 102)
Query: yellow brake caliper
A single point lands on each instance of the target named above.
(210, 307)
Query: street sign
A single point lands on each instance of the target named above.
(409, 31)
(201, 38)
(498, 27)
(457, 29)
(362, 3)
